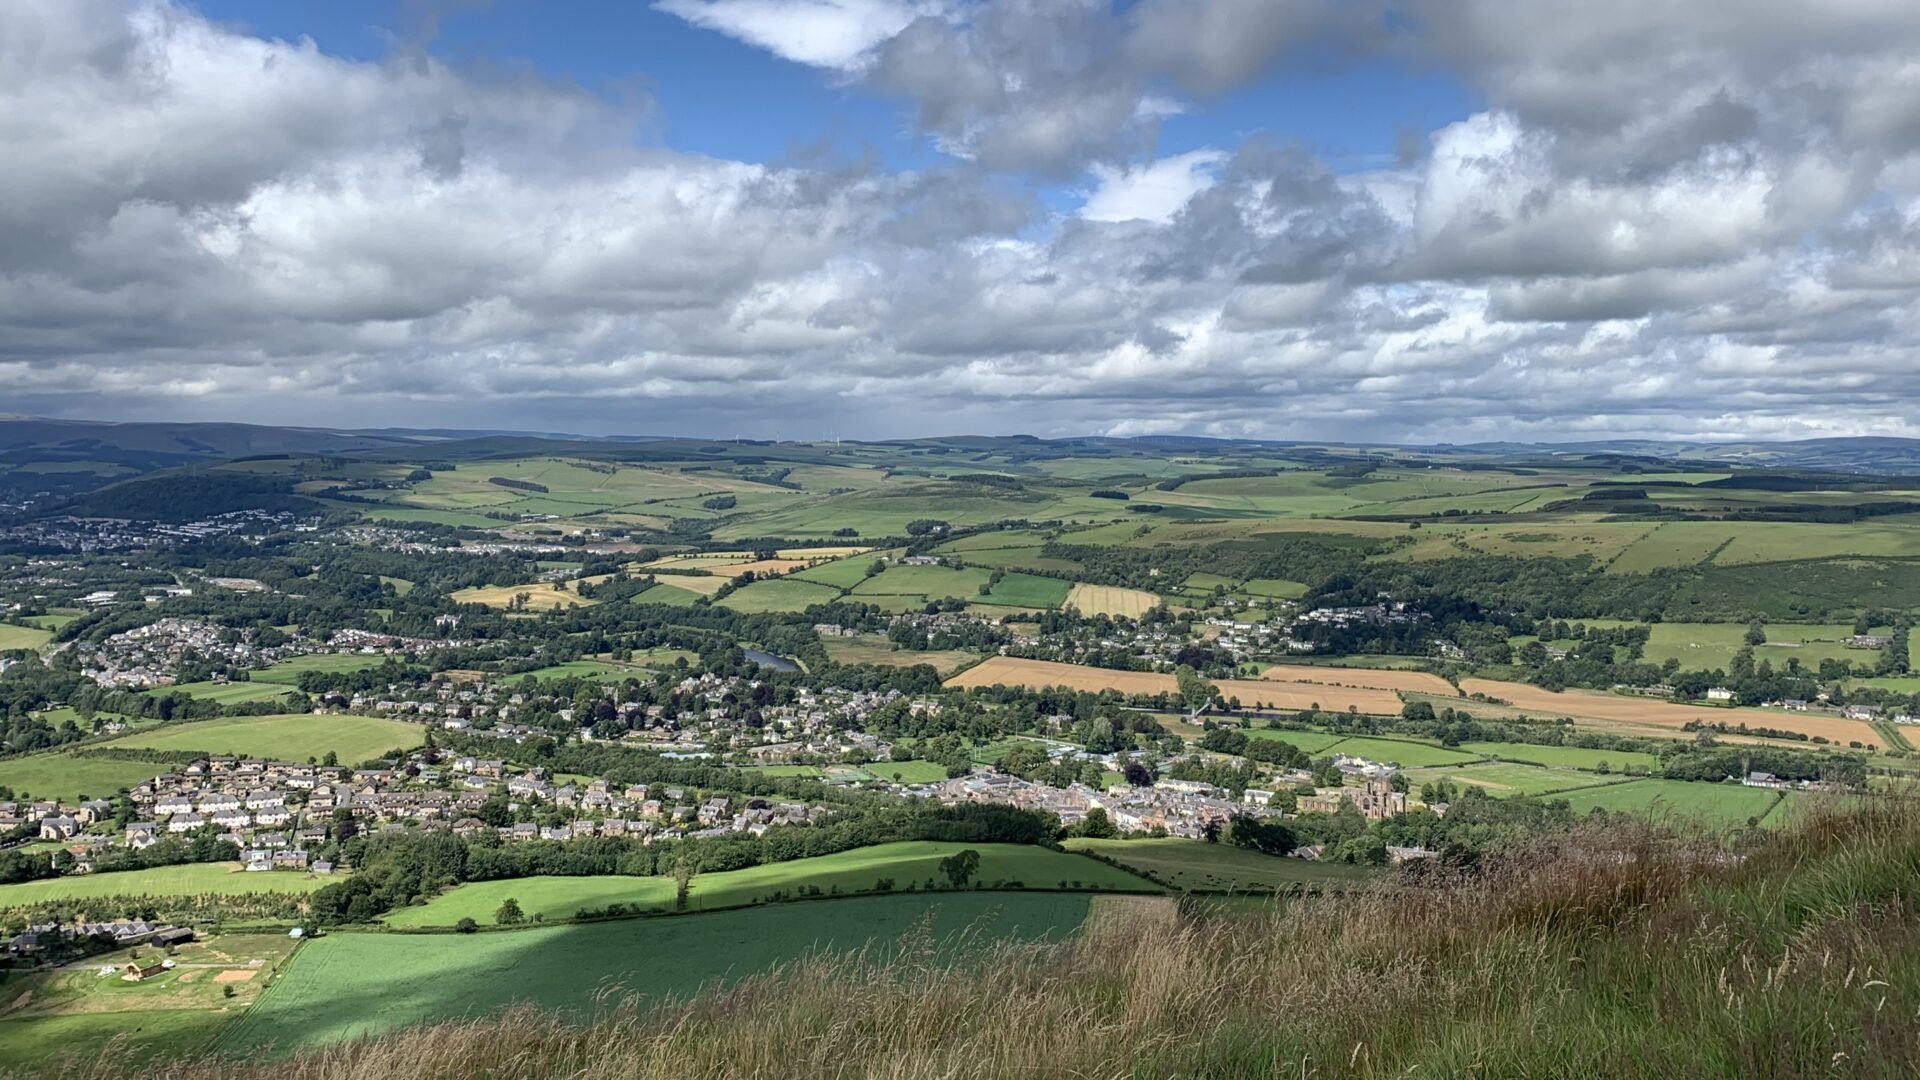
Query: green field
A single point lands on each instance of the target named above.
(1710, 646)
(848, 871)
(671, 595)
(1197, 866)
(224, 693)
(1569, 757)
(778, 595)
(1503, 779)
(69, 776)
(1276, 587)
(1307, 742)
(1029, 590)
(907, 772)
(1397, 751)
(289, 671)
(22, 637)
(840, 574)
(925, 583)
(324, 994)
(187, 879)
(1717, 803)
(288, 738)
(588, 669)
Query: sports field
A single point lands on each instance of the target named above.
(322, 996)
(228, 693)
(1197, 866)
(44, 1015)
(1111, 600)
(288, 738)
(1404, 752)
(1501, 779)
(288, 672)
(69, 776)
(848, 872)
(187, 879)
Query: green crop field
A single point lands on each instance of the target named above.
(848, 872)
(289, 738)
(289, 671)
(1569, 757)
(1716, 803)
(779, 594)
(22, 637)
(321, 996)
(224, 693)
(68, 776)
(1500, 779)
(187, 879)
(1197, 866)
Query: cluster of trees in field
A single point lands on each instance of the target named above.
(396, 869)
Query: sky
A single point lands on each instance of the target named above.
(1394, 220)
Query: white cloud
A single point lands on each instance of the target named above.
(819, 33)
(197, 222)
(1152, 192)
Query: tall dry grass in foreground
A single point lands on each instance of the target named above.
(1611, 953)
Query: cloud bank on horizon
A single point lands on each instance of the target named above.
(1695, 220)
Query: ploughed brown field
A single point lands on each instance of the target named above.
(1253, 693)
(1647, 712)
(1415, 682)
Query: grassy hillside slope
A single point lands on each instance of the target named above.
(1620, 952)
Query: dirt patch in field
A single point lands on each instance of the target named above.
(1413, 682)
(22, 1001)
(235, 976)
(1614, 708)
(189, 976)
(1252, 693)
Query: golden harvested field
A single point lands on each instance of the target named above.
(541, 596)
(768, 568)
(1644, 712)
(1111, 600)
(1253, 693)
(1415, 682)
(820, 554)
